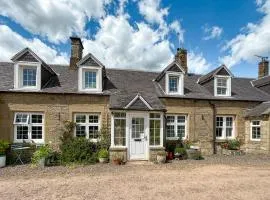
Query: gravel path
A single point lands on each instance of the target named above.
(216, 177)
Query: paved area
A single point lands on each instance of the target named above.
(216, 177)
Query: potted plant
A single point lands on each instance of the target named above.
(3, 147)
(40, 155)
(117, 159)
(103, 156)
(180, 153)
(161, 157)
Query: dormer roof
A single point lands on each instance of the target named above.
(90, 60)
(173, 66)
(222, 70)
(28, 55)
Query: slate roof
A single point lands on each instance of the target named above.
(262, 109)
(123, 85)
(262, 81)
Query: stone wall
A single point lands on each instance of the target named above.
(57, 108)
(201, 115)
(262, 146)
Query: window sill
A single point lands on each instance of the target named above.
(255, 140)
(223, 139)
(118, 148)
(174, 138)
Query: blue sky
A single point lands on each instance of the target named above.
(142, 34)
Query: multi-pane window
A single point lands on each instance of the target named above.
(224, 127)
(29, 77)
(176, 126)
(155, 124)
(28, 126)
(223, 86)
(119, 129)
(90, 79)
(173, 83)
(87, 125)
(255, 130)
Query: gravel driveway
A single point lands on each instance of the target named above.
(216, 177)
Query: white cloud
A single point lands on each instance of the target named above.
(118, 44)
(197, 63)
(176, 27)
(212, 33)
(56, 20)
(254, 41)
(152, 12)
(11, 43)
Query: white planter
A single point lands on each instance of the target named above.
(41, 162)
(3, 161)
(161, 158)
(103, 160)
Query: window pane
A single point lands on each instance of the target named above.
(228, 132)
(218, 132)
(21, 118)
(120, 132)
(37, 119)
(221, 91)
(256, 133)
(173, 83)
(90, 79)
(137, 127)
(22, 132)
(170, 119)
(154, 115)
(119, 115)
(181, 131)
(80, 118)
(36, 132)
(29, 77)
(154, 132)
(219, 121)
(222, 82)
(93, 119)
(80, 131)
(170, 131)
(93, 132)
(181, 119)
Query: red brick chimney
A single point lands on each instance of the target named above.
(181, 58)
(76, 52)
(263, 68)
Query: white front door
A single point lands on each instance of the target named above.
(138, 137)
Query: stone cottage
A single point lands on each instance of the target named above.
(141, 110)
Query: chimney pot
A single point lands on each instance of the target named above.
(181, 58)
(263, 68)
(76, 52)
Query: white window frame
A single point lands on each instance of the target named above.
(175, 124)
(18, 75)
(29, 124)
(180, 88)
(224, 127)
(161, 129)
(228, 85)
(258, 126)
(87, 124)
(112, 130)
(81, 79)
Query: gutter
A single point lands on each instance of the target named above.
(213, 106)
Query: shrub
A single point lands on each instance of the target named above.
(41, 152)
(180, 151)
(234, 144)
(105, 141)
(3, 147)
(78, 150)
(103, 153)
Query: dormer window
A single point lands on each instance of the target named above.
(222, 86)
(90, 79)
(29, 78)
(174, 83)
(91, 73)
